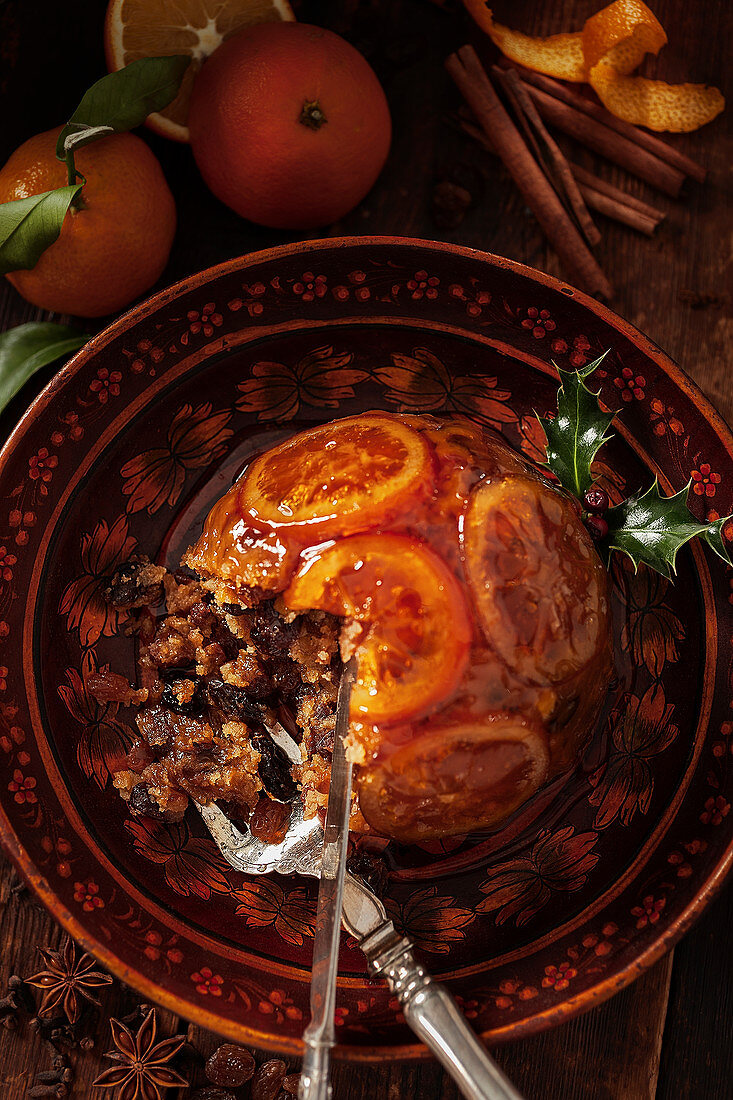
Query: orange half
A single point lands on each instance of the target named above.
(159, 28)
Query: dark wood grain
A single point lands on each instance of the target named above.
(669, 1035)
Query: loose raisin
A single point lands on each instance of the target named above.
(270, 633)
(230, 1066)
(274, 768)
(268, 1079)
(135, 584)
(233, 702)
(291, 1083)
(139, 756)
(183, 694)
(142, 802)
(270, 820)
(371, 869)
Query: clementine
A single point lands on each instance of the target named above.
(289, 125)
(116, 245)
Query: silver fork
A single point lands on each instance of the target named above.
(428, 1007)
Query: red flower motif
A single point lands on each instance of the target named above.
(280, 1006)
(715, 810)
(251, 303)
(704, 480)
(42, 465)
(203, 321)
(310, 286)
(540, 321)
(662, 417)
(423, 285)
(578, 357)
(339, 1015)
(87, 894)
(106, 384)
(7, 561)
(649, 911)
(207, 982)
(558, 977)
(3, 677)
(22, 787)
(631, 385)
(475, 299)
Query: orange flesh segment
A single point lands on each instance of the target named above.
(610, 46)
(417, 645)
(338, 478)
(160, 28)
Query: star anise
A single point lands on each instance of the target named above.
(67, 978)
(143, 1070)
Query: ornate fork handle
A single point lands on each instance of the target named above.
(434, 1016)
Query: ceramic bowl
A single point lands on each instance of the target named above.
(123, 453)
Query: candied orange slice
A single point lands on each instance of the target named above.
(239, 556)
(457, 777)
(339, 478)
(611, 45)
(416, 647)
(539, 586)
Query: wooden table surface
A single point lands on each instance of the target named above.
(671, 1033)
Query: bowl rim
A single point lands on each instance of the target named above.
(570, 1007)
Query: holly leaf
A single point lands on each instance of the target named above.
(578, 431)
(124, 99)
(29, 226)
(650, 528)
(26, 348)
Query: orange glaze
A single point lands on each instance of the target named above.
(473, 597)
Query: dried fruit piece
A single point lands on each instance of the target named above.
(230, 1066)
(267, 1081)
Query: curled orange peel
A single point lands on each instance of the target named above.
(610, 46)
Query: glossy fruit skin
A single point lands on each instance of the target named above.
(112, 250)
(250, 145)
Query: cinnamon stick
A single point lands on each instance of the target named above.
(608, 142)
(620, 212)
(643, 138)
(465, 69)
(531, 121)
(590, 179)
(598, 194)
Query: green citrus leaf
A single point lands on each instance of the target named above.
(578, 431)
(27, 348)
(651, 529)
(29, 226)
(124, 99)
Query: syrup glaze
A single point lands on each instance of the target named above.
(471, 594)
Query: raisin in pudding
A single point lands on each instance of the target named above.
(461, 579)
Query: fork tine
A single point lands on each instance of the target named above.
(299, 852)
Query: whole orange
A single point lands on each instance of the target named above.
(289, 125)
(112, 249)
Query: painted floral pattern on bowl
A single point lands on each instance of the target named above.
(125, 451)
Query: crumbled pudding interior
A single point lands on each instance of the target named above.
(214, 681)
